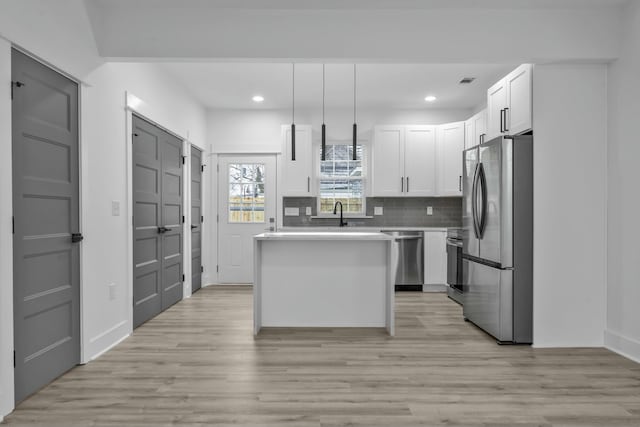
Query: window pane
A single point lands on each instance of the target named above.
(341, 179)
(246, 192)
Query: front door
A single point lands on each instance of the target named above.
(247, 191)
(157, 220)
(196, 219)
(46, 255)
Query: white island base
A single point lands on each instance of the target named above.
(340, 279)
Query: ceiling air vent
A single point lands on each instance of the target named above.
(467, 80)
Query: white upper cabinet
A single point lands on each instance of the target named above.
(450, 147)
(496, 103)
(388, 161)
(519, 88)
(297, 174)
(475, 130)
(420, 161)
(469, 132)
(509, 107)
(404, 161)
(480, 127)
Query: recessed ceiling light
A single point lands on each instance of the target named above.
(258, 98)
(430, 98)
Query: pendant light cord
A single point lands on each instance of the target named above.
(323, 93)
(354, 93)
(293, 93)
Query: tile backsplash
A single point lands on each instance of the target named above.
(397, 212)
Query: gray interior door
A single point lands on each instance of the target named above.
(196, 219)
(157, 220)
(46, 215)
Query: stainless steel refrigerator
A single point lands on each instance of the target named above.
(498, 238)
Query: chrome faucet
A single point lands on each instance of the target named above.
(335, 210)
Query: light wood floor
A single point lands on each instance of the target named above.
(198, 364)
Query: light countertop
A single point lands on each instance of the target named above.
(324, 235)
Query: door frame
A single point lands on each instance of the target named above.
(216, 202)
(7, 378)
(132, 106)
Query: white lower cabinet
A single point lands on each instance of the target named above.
(435, 260)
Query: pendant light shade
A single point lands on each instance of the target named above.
(293, 112)
(355, 126)
(323, 155)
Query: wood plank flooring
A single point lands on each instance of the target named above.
(198, 364)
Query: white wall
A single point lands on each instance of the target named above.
(6, 239)
(569, 111)
(238, 131)
(105, 170)
(623, 296)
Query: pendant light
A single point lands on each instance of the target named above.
(293, 112)
(324, 129)
(355, 126)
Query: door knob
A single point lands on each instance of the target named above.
(76, 237)
(193, 226)
(162, 230)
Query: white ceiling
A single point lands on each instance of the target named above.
(396, 86)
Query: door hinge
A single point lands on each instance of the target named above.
(202, 269)
(217, 269)
(217, 217)
(218, 167)
(183, 277)
(13, 225)
(202, 219)
(183, 219)
(202, 168)
(183, 157)
(14, 358)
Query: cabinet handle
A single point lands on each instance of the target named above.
(460, 183)
(501, 129)
(308, 184)
(407, 184)
(482, 135)
(402, 184)
(506, 129)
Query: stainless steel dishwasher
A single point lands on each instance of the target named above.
(409, 247)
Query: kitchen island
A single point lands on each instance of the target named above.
(323, 279)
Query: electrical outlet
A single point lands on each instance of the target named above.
(115, 208)
(291, 211)
(378, 210)
(112, 291)
(308, 211)
(429, 210)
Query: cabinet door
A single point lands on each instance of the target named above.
(480, 127)
(435, 257)
(496, 102)
(450, 147)
(518, 91)
(420, 161)
(469, 133)
(388, 161)
(297, 175)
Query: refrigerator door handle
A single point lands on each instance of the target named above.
(474, 202)
(482, 221)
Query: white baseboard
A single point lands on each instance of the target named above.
(106, 340)
(434, 288)
(624, 346)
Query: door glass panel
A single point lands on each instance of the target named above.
(246, 192)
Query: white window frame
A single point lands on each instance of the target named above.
(365, 163)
